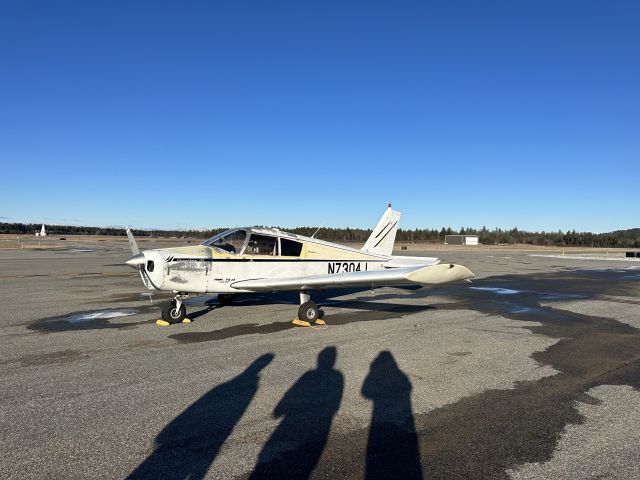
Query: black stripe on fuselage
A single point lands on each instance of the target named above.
(273, 259)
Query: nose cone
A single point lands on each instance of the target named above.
(136, 261)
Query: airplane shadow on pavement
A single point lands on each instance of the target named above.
(187, 446)
(321, 297)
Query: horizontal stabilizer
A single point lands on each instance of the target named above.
(401, 261)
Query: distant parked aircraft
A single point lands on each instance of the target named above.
(42, 232)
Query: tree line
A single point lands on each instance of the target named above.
(620, 238)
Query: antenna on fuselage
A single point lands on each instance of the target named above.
(314, 233)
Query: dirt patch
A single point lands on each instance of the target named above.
(53, 358)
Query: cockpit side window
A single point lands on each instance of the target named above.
(231, 242)
(261, 245)
(289, 248)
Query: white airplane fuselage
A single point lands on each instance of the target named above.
(206, 269)
(267, 260)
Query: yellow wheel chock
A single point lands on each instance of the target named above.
(164, 323)
(301, 323)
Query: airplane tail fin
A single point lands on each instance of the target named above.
(384, 235)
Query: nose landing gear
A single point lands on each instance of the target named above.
(175, 311)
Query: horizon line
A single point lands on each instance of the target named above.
(204, 229)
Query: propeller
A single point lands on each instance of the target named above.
(132, 242)
(138, 260)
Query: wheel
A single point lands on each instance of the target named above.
(226, 298)
(172, 314)
(308, 312)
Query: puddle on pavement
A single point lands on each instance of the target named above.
(101, 314)
(89, 320)
(499, 291)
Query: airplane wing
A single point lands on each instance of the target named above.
(400, 261)
(432, 274)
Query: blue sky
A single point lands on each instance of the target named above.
(203, 113)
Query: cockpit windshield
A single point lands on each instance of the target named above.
(230, 241)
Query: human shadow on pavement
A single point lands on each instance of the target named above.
(307, 409)
(392, 449)
(187, 446)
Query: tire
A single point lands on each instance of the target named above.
(171, 315)
(308, 312)
(226, 299)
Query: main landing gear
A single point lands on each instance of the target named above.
(308, 312)
(175, 311)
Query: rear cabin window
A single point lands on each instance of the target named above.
(289, 248)
(261, 245)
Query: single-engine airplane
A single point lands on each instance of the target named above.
(244, 260)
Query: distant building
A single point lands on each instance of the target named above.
(42, 232)
(461, 240)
